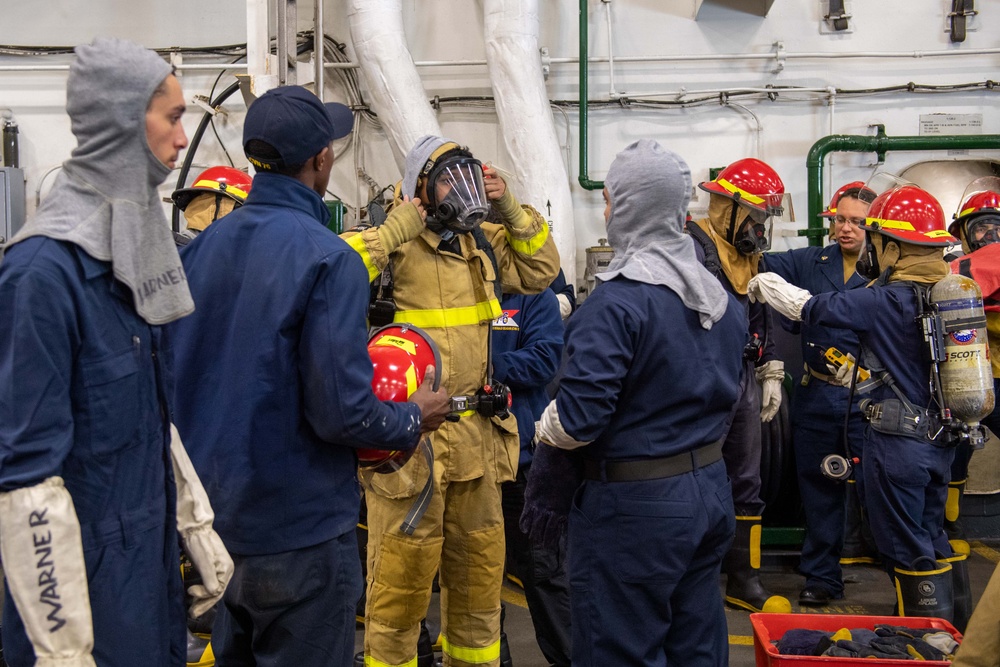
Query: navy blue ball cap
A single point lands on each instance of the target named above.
(295, 123)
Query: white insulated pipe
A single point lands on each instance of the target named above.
(526, 122)
(394, 88)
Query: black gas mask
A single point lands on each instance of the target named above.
(982, 231)
(456, 195)
(867, 265)
(753, 234)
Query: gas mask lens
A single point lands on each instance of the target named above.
(983, 231)
(754, 234)
(459, 195)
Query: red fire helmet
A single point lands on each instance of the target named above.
(400, 355)
(909, 214)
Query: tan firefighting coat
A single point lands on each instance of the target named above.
(451, 297)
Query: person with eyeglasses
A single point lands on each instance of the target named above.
(820, 403)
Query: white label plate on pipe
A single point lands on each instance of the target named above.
(950, 123)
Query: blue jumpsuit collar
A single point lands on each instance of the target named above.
(271, 189)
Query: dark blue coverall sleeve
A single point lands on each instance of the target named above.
(855, 310)
(784, 264)
(602, 335)
(38, 335)
(539, 347)
(336, 369)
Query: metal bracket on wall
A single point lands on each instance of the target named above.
(837, 15)
(959, 17)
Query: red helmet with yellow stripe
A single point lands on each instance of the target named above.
(227, 181)
(911, 215)
(749, 182)
(400, 354)
(831, 210)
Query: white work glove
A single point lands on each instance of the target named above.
(775, 291)
(42, 554)
(770, 375)
(842, 374)
(565, 307)
(194, 523)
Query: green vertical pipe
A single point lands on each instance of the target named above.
(880, 144)
(584, 71)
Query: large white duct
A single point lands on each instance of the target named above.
(526, 118)
(394, 88)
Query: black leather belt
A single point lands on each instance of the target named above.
(610, 470)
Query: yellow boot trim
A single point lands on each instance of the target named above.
(951, 504)
(473, 656)
(961, 548)
(372, 662)
(924, 573)
(957, 558)
(207, 658)
(754, 541)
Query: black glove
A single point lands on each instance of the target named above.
(554, 477)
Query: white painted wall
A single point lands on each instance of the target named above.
(450, 30)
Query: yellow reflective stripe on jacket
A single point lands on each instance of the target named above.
(358, 243)
(372, 662)
(442, 318)
(529, 246)
(473, 656)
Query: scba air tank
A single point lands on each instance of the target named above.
(966, 376)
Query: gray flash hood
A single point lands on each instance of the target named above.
(104, 199)
(650, 188)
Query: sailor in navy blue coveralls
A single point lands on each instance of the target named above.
(905, 463)
(654, 366)
(87, 371)
(527, 348)
(818, 411)
(903, 480)
(273, 389)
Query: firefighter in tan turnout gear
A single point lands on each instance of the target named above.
(445, 275)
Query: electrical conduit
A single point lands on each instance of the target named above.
(395, 91)
(526, 123)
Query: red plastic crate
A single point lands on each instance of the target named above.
(772, 627)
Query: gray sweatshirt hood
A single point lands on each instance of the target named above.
(104, 199)
(650, 188)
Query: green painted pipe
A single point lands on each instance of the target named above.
(880, 144)
(584, 70)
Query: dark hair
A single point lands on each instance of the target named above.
(266, 158)
(866, 195)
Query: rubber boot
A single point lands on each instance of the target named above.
(425, 650)
(924, 592)
(961, 592)
(505, 659)
(858, 543)
(742, 567)
(953, 509)
(199, 650)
